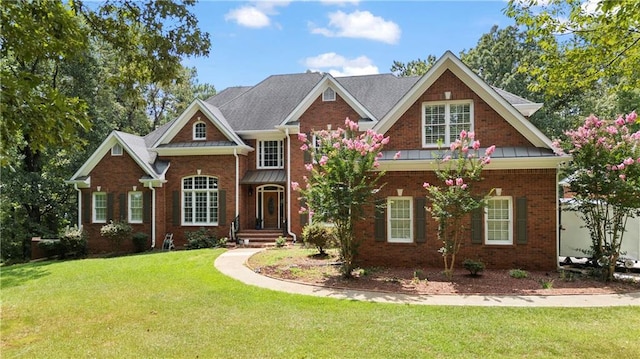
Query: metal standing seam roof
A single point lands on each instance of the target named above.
(500, 152)
(264, 176)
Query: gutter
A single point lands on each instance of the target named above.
(75, 185)
(237, 209)
(153, 215)
(293, 235)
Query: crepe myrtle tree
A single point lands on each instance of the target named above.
(453, 200)
(341, 180)
(605, 179)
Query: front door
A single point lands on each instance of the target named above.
(270, 209)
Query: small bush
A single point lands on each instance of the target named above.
(117, 232)
(518, 273)
(73, 243)
(281, 242)
(546, 283)
(202, 238)
(50, 247)
(140, 241)
(474, 267)
(317, 235)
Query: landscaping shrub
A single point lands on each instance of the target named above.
(73, 243)
(202, 238)
(474, 267)
(518, 273)
(117, 232)
(50, 247)
(317, 235)
(140, 241)
(281, 242)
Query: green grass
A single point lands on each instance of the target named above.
(176, 304)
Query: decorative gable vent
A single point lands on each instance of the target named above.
(329, 95)
(116, 150)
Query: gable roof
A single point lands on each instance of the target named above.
(450, 62)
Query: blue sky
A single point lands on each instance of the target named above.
(251, 40)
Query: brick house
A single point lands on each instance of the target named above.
(230, 160)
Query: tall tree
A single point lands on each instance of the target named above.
(583, 43)
(417, 67)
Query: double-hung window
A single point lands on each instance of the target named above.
(400, 219)
(442, 122)
(499, 221)
(135, 207)
(271, 154)
(200, 131)
(99, 207)
(200, 200)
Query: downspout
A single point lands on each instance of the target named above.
(153, 215)
(75, 185)
(235, 154)
(558, 209)
(293, 235)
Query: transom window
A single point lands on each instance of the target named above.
(200, 200)
(99, 207)
(135, 207)
(200, 131)
(329, 95)
(498, 221)
(442, 122)
(271, 154)
(400, 219)
(116, 150)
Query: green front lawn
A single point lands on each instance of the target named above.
(176, 304)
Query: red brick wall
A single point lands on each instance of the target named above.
(489, 127)
(116, 175)
(539, 253)
(323, 113)
(186, 133)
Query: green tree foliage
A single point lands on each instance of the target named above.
(341, 181)
(71, 73)
(417, 67)
(582, 43)
(605, 177)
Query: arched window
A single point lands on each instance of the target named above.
(200, 131)
(200, 200)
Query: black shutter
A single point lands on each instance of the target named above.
(379, 222)
(521, 220)
(307, 156)
(86, 208)
(122, 198)
(109, 207)
(146, 207)
(421, 219)
(175, 205)
(304, 217)
(222, 207)
(476, 226)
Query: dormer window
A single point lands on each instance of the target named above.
(116, 150)
(329, 95)
(442, 122)
(200, 131)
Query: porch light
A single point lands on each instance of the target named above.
(499, 191)
(250, 190)
(98, 188)
(135, 188)
(399, 192)
(199, 171)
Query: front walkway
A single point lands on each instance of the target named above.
(232, 264)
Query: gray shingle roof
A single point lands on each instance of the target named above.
(511, 98)
(227, 95)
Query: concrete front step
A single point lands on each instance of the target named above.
(259, 238)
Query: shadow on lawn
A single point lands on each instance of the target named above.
(20, 274)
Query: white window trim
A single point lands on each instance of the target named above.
(93, 207)
(260, 155)
(447, 104)
(487, 241)
(326, 93)
(411, 220)
(130, 212)
(196, 138)
(117, 150)
(193, 201)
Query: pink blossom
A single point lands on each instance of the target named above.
(302, 137)
(476, 144)
(463, 134)
(612, 130)
(628, 161)
(295, 186)
(304, 147)
(336, 145)
(446, 158)
(486, 161)
(464, 186)
(396, 156)
(449, 182)
(426, 185)
(465, 149)
(385, 140)
(323, 160)
(302, 210)
(620, 121)
(490, 150)
(471, 135)
(308, 166)
(622, 177)
(631, 118)
(614, 168)
(459, 181)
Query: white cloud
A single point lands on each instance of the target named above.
(340, 2)
(360, 24)
(338, 65)
(255, 16)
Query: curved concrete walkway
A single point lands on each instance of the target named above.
(232, 264)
